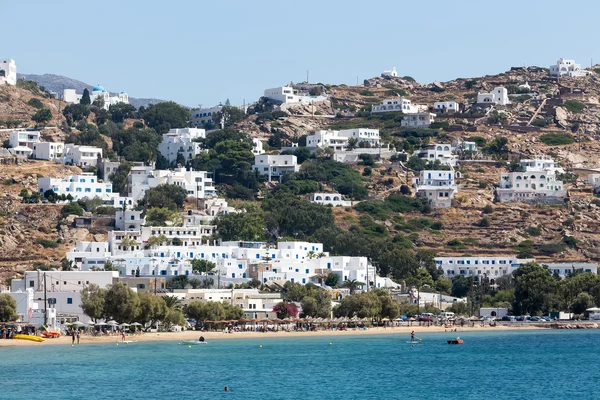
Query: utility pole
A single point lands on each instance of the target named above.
(307, 76)
(45, 302)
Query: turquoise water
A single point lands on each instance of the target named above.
(499, 365)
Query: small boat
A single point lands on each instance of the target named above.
(456, 341)
(50, 334)
(28, 337)
(194, 342)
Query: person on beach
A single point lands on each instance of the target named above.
(122, 336)
(78, 336)
(72, 337)
(201, 339)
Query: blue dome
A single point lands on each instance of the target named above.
(98, 89)
(123, 92)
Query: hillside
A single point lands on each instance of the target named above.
(568, 107)
(56, 83)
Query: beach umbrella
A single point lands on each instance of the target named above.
(136, 324)
(124, 325)
(112, 323)
(78, 323)
(100, 324)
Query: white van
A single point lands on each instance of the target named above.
(447, 314)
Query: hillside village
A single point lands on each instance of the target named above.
(388, 184)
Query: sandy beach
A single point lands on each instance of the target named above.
(194, 335)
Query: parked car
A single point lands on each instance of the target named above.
(509, 318)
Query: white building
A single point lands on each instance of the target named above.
(181, 140)
(275, 166)
(537, 183)
(491, 266)
(443, 152)
(334, 199)
(257, 147)
(83, 186)
(48, 150)
(497, 96)
(81, 156)
(24, 138)
(203, 117)
(398, 104)
(338, 140)
(438, 187)
(565, 268)
(287, 94)
(8, 72)
(129, 220)
(418, 120)
(444, 107)
(21, 151)
(567, 68)
(98, 93)
(197, 184)
(391, 74)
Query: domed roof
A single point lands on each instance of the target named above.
(123, 92)
(98, 88)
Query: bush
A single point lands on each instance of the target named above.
(574, 106)
(534, 231)
(570, 241)
(454, 243)
(482, 184)
(484, 222)
(72, 208)
(35, 103)
(47, 244)
(556, 139)
(540, 122)
(437, 226)
(552, 248)
(488, 209)
(367, 171)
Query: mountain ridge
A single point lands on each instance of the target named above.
(56, 83)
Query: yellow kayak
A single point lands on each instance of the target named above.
(28, 337)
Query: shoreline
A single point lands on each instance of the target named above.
(194, 335)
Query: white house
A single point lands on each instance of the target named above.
(338, 140)
(438, 187)
(564, 268)
(181, 140)
(287, 94)
(196, 183)
(398, 104)
(24, 138)
(444, 107)
(443, 152)
(85, 185)
(334, 199)
(257, 146)
(418, 120)
(203, 117)
(491, 266)
(568, 68)
(8, 72)
(497, 96)
(537, 183)
(98, 93)
(275, 166)
(129, 220)
(391, 74)
(81, 156)
(48, 150)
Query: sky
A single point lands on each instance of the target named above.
(205, 52)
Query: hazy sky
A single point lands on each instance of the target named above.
(203, 52)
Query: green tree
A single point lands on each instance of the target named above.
(461, 286)
(120, 176)
(443, 285)
(361, 305)
(85, 98)
(173, 317)
(92, 301)
(229, 115)
(158, 216)
(152, 309)
(8, 308)
(154, 241)
(332, 280)
(534, 288)
(121, 303)
(165, 196)
(42, 116)
(166, 115)
(415, 163)
(121, 111)
(72, 208)
(389, 308)
(309, 306)
(76, 112)
(582, 302)
(248, 225)
(202, 266)
(232, 311)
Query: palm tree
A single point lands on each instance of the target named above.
(173, 302)
(352, 284)
(311, 254)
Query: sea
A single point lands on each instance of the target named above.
(552, 364)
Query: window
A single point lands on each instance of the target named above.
(31, 283)
(69, 300)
